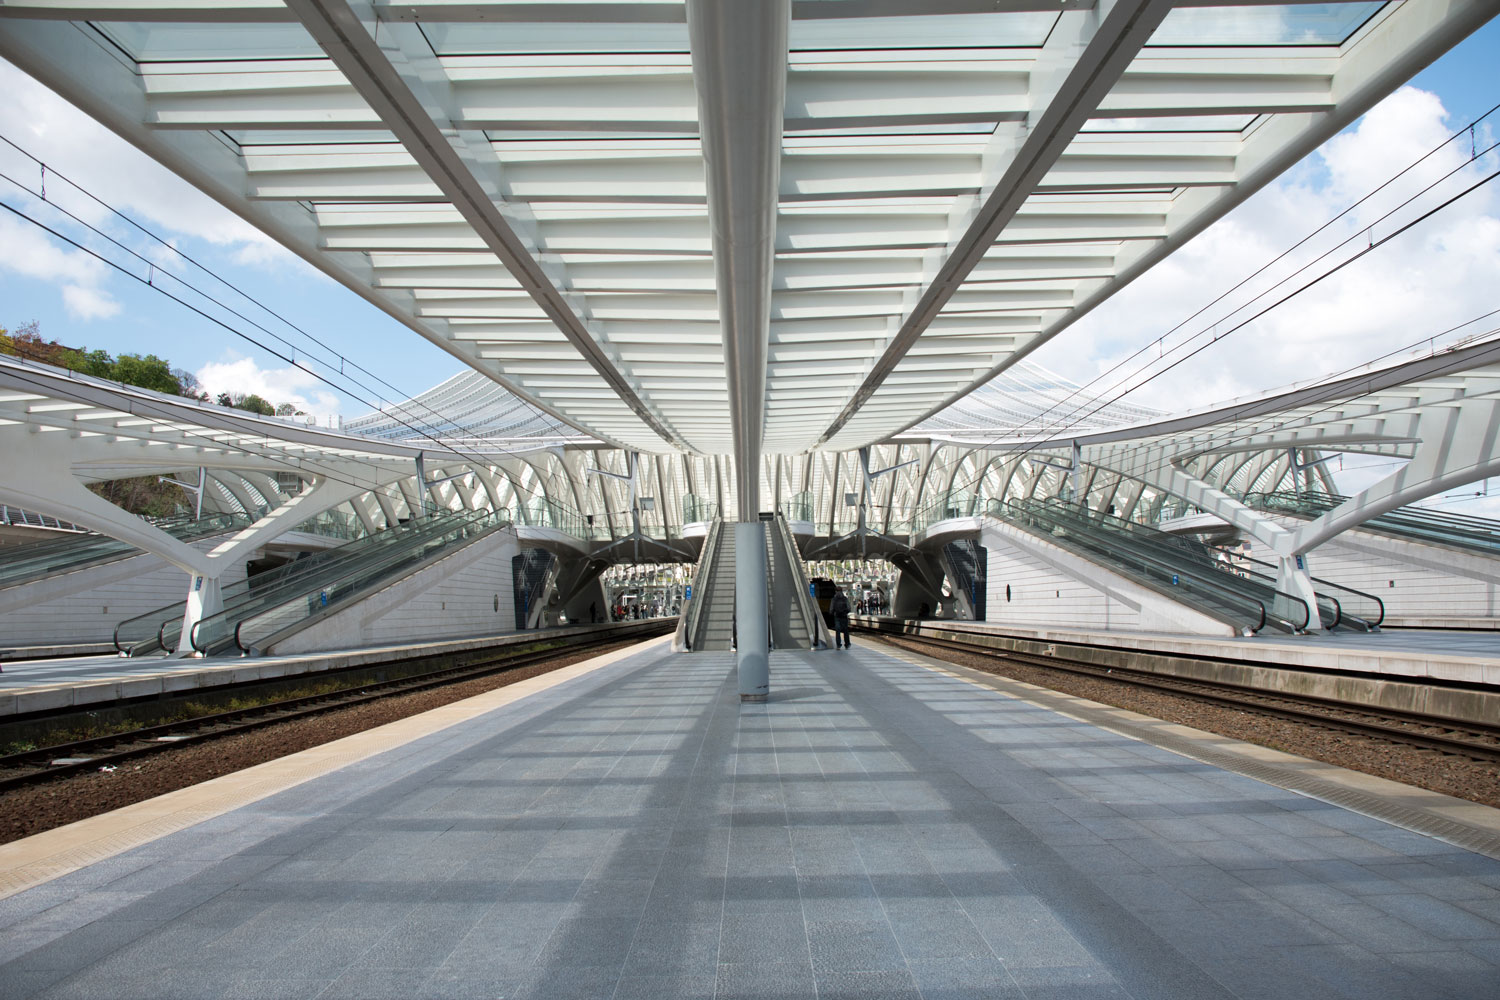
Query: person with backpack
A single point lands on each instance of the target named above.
(839, 608)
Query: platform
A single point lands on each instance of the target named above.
(82, 681)
(1417, 654)
(881, 828)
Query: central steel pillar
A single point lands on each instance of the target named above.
(752, 658)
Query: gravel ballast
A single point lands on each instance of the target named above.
(33, 809)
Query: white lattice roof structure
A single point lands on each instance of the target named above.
(729, 228)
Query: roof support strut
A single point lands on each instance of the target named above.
(399, 97)
(1109, 38)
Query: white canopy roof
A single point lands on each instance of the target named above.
(730, 228)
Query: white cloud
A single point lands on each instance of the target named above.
(28, 251)
(242, 376)
(109, 167)
(1440, 273)
(88, 303)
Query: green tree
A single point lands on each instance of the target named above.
(255, 404)
(145, 495)
(148, 372)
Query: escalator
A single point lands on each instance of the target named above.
(796, 622)
(269, 606)
(1240, 594)
(39, 560)
(708, 622)
(530, 573)
(965, 563)
(1461, 531)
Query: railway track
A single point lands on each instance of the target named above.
(107, 752)
(1463, 739)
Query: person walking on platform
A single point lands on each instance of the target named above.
(839, 608)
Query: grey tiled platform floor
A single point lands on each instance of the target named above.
(876, 830)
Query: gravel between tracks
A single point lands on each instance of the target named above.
(1438, 772)
(35, 808)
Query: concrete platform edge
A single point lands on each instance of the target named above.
(1455, 821)
(34, 860)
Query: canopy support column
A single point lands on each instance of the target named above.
(752, 646)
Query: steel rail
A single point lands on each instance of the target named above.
(1302, 709)
(35, 765)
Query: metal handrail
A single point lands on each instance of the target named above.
(1150, 566)
(701, 577)
(1379, 604)
(370, 574)
(361, 552)
(816, 627)
(171, 615)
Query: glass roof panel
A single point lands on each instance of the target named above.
(930, 128)
(955, 31)
(1300, 24)
(520, 38)
(308, 137)
(162, 42)
(1195, 123)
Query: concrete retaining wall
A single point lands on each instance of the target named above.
(1463, 703)
(1050, 585)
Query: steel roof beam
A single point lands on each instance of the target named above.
(739, 69)
(417, 120)
(1110, 39)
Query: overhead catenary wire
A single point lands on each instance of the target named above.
(1061, 427)
(1160, 340)
(474, 459)
(1101, 403)
(152, 284)
(343, 360)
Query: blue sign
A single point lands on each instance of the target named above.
(687, 592)
(1174, 579)
(812, 590)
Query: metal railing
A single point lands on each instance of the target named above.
(1247, 605)
(799, 507)
(817, 629)
(37, 560)
(19, 516)
(1478, 534)
(333, 524)
(160, 630)
(693, 614)
(697, 510)
(268, 618)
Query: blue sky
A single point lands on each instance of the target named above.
(78, 303)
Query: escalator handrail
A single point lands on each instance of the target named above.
(1214, 588)
(374, 573)
(701, 577)
(1207, 574)
(810, 614)
(318, 562)
(1318, 581)
(412, 534)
